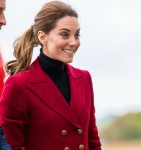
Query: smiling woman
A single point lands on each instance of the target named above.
(62, 42)
(49, 104)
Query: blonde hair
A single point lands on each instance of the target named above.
(44, 21)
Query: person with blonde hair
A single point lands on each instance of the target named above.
(48, 104)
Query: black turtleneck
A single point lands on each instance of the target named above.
(56, 70)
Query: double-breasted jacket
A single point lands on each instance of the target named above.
(35, 116)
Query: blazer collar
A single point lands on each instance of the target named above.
(42, 86)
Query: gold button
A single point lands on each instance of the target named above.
(66, 148)
(81, 147)
(79, 131)
(64, 132)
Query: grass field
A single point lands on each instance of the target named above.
(122, 145)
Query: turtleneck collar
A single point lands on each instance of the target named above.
(51, 66)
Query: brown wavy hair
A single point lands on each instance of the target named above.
(45, 21)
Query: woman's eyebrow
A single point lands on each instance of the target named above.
(65, 29)
(69, 30)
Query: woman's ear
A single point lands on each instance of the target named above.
(42, 37)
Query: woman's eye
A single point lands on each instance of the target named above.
(64, 35)
(77, 35)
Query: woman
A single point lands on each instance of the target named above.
(49, 105)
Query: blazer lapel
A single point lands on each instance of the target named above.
(77, 86)
(46, 90)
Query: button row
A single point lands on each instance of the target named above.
(81, 147)
(65, 132)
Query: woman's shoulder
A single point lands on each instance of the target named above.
(24, 75)
(78, 71)
(19, 78)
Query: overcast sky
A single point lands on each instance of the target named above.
(110, 47)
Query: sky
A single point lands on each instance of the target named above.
(110, 47)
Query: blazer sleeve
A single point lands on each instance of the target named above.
(13, 111)
(93, 137)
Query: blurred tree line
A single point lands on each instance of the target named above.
(126, 127)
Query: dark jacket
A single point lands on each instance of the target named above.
(3, 143)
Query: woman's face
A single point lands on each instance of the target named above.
(62, 42)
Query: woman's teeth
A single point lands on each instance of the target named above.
(68, 51)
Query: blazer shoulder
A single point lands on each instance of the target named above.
(77, 72)
(20, 78)
(24, 75)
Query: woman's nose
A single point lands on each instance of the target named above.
(2, 19)
(73, 41)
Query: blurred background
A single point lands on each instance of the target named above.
(110, 50)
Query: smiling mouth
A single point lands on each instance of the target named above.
(68, 51)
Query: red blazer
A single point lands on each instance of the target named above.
(35, 115)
